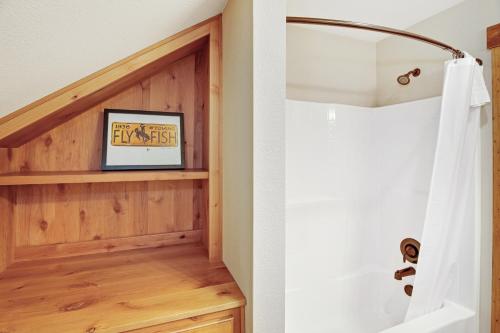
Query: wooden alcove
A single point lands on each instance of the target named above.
(83, 250)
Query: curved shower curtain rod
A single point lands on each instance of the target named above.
(371, 27)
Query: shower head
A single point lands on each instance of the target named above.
(405, 78)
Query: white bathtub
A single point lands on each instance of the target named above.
(332, 281)
(357, 184)
(328, 292)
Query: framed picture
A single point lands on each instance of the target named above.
(138, 140)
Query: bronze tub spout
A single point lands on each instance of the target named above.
(400, 274)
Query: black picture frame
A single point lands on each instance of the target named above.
(106, 167)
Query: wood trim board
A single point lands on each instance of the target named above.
(215, 142)
(493, 41)
(493, 36)
(79, 177)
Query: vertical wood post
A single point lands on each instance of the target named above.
(5, 228)
(494, 45)
(215, 150)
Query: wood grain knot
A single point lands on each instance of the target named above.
(19, 288)
(82, 285)
(91, 330)
(157, 199)
(44, 225)
(74, 97)
(48, 141)
(97, 237)
(82, 215)
(182, 236)
(129, 306)
(76, 306)
(117, 207)
(223, 293)
(109, 247)
(25, 167)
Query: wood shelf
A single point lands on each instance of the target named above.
(115, 292)
(78, 177)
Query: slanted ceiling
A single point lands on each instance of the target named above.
(29, 122)
(46, 45)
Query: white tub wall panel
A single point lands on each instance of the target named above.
(317, 140)
(353, 193)
(349, 154)
(404, 171)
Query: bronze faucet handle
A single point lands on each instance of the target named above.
(410, 249)
(400, 274)
(408, 289)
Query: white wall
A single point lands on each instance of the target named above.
(463, 26)
(325, 67)
(48, 44)
(269, 166)
(254, 160)
(237, 107)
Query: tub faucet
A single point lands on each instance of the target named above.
(400, 274)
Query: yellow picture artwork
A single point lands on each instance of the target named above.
(144, 135)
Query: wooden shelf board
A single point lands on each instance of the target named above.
(78, 177)
(114, 292)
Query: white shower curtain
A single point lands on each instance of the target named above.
(451, 199)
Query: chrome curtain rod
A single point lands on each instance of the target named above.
(456, 53)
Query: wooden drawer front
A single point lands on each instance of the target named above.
(229, 321)
(220, 327)
(224, 325)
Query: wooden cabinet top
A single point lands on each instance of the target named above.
(114, 292)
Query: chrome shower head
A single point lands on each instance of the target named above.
(405, 78)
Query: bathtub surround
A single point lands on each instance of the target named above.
(449, 250)
(463, 26)
(377, 163)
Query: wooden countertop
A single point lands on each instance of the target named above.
(114, 292)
